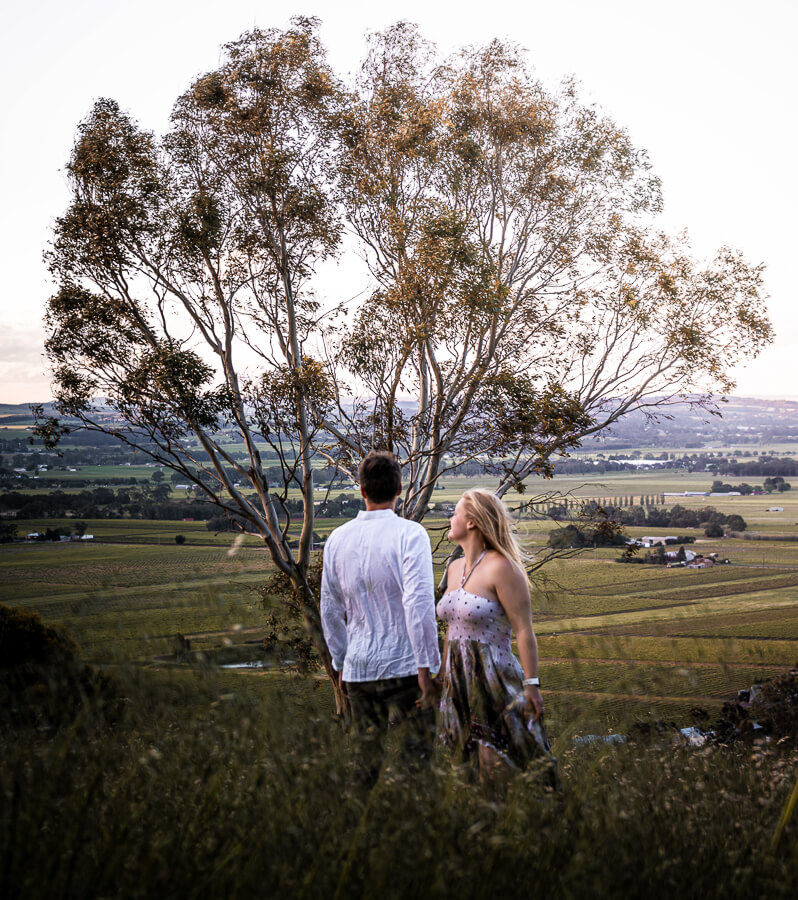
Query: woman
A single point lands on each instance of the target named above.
(492, 708)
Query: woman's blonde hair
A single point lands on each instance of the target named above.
(488, 514)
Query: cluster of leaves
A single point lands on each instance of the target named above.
(282, 391)
(285, 631)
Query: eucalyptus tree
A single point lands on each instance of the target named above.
(183, 267)
(520, 293)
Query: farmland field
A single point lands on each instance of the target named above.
(617, 642)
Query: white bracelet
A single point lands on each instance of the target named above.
(533, 681)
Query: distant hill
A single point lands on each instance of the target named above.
(20, 409)
(744, 421)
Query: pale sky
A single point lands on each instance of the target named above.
(708, 87)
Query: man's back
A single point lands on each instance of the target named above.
(378, 598)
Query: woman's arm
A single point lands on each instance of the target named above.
(452, 581)
(512, 589)
(442, 672)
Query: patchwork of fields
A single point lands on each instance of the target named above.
(664, 643)
(618, 642)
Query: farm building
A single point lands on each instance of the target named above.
(701, 562)
(673, 556)
(650, 540)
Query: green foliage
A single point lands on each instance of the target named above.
(570, 536)
(280, 395)
(596, 527)
(677, 516)
(776, 483)
(285, 631)
(524, 419)
(736, 523)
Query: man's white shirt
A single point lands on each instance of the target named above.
(378, 598)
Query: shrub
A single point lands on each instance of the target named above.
(180, 539)
(562, 538)
(285, 633)
(43, 681)
(774, 704)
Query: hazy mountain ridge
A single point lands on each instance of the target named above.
(743, 421)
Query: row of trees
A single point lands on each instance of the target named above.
(645, 500)
(677, 516)
(575, 537)
(585, 533)
(517, 291)
(776, 484)
(770, 467)
(103, 503)
(152, 503)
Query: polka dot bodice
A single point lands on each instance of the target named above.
(475, 618)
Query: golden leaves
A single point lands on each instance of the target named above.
(630, 297)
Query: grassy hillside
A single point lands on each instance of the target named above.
(240, 784)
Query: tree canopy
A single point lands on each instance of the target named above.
(521, 294)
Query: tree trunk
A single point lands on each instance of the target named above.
(312, 619)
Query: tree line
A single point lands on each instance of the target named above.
(584, 532)
(774, 484)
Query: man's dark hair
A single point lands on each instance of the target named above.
(380, 476)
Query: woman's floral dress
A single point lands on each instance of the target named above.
(483, 701)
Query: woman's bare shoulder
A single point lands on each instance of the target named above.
(497, 562)
(503, 570)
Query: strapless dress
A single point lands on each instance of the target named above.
(483, 701)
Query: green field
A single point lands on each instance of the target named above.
(618, 642)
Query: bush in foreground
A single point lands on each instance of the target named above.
(43, 681)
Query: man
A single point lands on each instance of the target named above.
(378, 616)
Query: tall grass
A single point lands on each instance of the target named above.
(225, 786)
